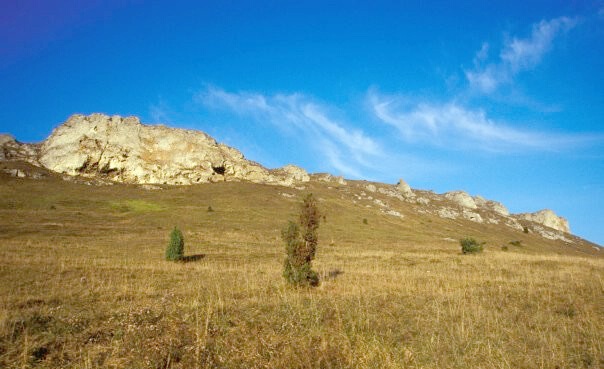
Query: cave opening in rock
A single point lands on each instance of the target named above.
(219, 170)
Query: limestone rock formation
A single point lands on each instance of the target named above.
(11, 149)
(404, 189)
(447, 213)
(471, 215)
(326, 177)
(552, 234)
(290, 175)
(461, 198)
(547, 218)
(494, 206)
(124, 150)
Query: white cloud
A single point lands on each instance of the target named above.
(346, 149)
(482, 54)
(517, 55)
(453, 126)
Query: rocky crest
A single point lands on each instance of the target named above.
(10, 149)
(107, 149)
(548, 218)
(462, 199)
(124, 150)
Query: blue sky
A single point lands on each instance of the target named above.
(501, 99)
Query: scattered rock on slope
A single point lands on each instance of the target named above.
(326, 177)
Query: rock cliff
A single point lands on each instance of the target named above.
(124, 150)
(547, 218)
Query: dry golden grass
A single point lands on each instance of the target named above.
(83, 284)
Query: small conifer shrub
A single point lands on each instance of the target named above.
(176, 246)
(301, 245)
(470, 246)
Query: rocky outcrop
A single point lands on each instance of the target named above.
(404, 189)
(124, 150)
(11, 149)
(289, 175)
(547, 218)
(461, 198)
(472, 216)
(552, 234)
(494, 206)
(326, 177)
(447, 213)
(21, 173)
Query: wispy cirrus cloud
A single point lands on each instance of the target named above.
(346, 149)
(453, 126)
(517, 55)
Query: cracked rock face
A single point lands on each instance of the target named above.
(124, 150)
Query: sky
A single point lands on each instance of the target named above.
(503, 99)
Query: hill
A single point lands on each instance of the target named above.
(84, 283)
(123, 150)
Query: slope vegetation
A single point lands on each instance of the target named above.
(84, 282)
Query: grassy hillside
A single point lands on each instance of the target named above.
(83, 284)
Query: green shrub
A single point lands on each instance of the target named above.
(470, 245)
(365, 221)
(176, 247)
(301, 245)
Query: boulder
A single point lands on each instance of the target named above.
(404, 189)
(371, 187)
(473, 216)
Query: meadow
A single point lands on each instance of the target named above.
(84, 284)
